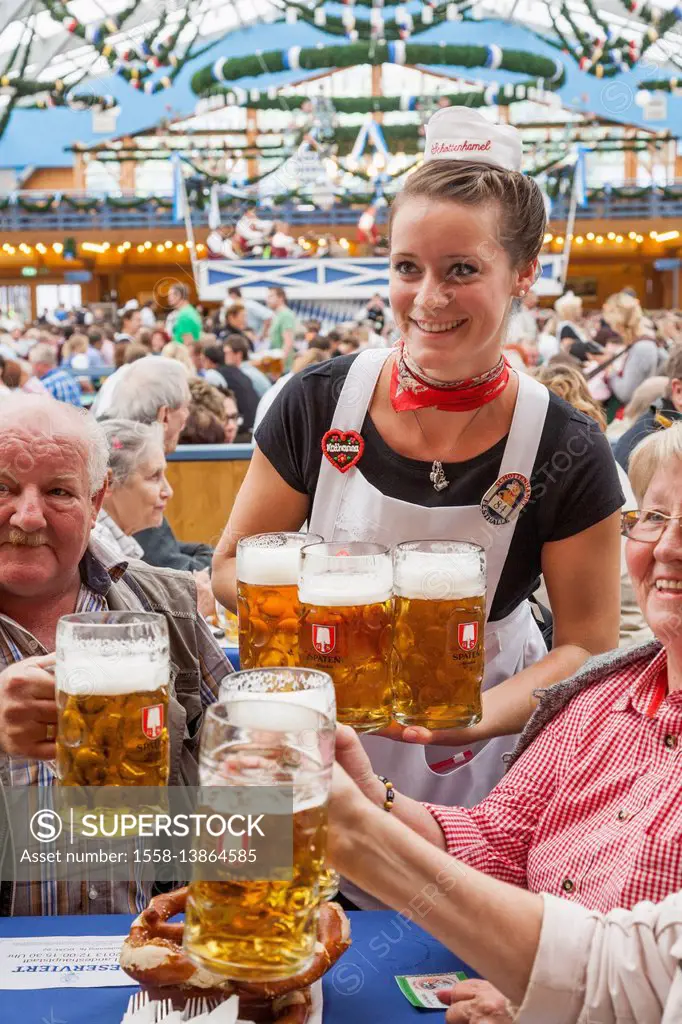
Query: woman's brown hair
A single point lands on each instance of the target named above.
(523, 221)
(570, 385)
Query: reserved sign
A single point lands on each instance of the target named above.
(62, 961)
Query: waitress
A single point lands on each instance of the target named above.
(439, 425)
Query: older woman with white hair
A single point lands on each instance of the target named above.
(588, 818)
(138, 490)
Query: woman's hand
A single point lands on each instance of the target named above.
(475, 1002)
(352, 757)
(440, 737)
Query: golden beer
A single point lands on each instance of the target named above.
(112, 692)
(303, 686)
(251, 929)
(346, 628)
(267, 598)
(440, 608)
(260, 924)
(113, 739)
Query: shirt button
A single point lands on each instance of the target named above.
(670, 741)
(622, 815)
(92, 893)
(567, 885)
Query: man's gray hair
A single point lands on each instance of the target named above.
(43, 353)
(129, 444)
(147, 385)
(85, 428)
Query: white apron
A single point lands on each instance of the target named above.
(348, 507)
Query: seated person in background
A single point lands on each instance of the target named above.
(251, 233)
(154, 390)
(181, 354)
(659, 415)
(202, 369)
(59, 382)
(282, 244)
(78, 354)
(220, 244)
(347, 346)
(159, 340)
(311, 332)
(103, 346)
(130, 325)
(54, 467)
(236, 381)
(137, 494)
(236, 353)
(236, 319)
(207, 421)
(591, 806)
(137, 491)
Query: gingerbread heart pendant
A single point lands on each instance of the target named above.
(343, 448)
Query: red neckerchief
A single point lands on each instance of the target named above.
(410, 390)
(659, 694)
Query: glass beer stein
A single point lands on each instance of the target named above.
(438, 659)
(291, 685)
(265, 928)
(267, 598)
(112, 682)
(345, 591)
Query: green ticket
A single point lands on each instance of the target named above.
(420, 989)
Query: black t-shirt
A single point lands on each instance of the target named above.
(244, 393)
(574, 482)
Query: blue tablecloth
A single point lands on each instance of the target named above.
(360, 989)
(232, 655)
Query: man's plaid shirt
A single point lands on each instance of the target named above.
(99, 572)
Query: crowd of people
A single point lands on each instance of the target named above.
(464, 390)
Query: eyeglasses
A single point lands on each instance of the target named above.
(646, 524)
(234, 417)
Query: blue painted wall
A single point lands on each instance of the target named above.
(38, 137)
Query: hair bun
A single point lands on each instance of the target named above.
(460, 133)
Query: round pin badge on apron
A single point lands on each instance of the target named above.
(504, 501)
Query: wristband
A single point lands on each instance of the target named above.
(390, 792)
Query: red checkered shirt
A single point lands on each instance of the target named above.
(592, 811)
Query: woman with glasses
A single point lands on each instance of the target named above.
(591, 808)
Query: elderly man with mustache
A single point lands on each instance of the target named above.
(53, 469)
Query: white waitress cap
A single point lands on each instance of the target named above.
(460, 133)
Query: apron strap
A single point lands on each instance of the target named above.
(519, 457)
(349, 414)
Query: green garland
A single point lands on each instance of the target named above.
(257, 100)
(606, 56)
(334, 25)
(354, 54)
(672, 85)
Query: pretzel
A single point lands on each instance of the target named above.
(153, 956)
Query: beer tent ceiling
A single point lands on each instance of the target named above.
(247, 25)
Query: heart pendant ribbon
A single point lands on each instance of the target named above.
(343, 448)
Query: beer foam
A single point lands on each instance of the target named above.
(268, 566)
(432, 576)
(270, 711)
(109, 675)
(336, 589)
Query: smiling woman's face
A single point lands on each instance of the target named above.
(140, 502)
(451, 285)
(656, 568)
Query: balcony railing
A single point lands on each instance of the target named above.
(65, 213)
